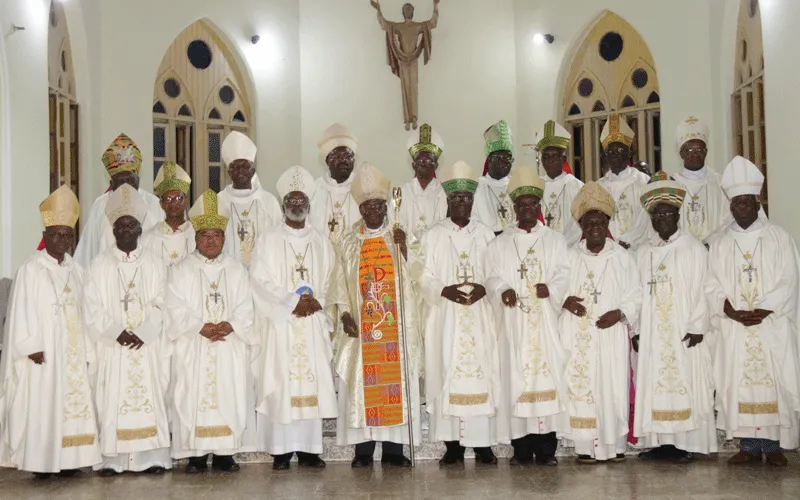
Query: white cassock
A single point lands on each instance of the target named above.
(98, 233)
(534, 392)
(756, 368)
(630, 222)
(333, 210)
(556, 206)
(598, 366)
(252, 211)
(421, 209)
(674, 385)
(210, 396)
(706, 208)
(131, 384)
(493, 207)
(170, 246)
(295, 390)
(48, 414)
(462, 372)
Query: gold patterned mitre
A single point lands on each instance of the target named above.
(524, 180)
(335, 136)
(171, 177)
(207, 214)
(460, 176)
(61, 208)
(662, 189)
(616, 129)
(369, 184)
(125, 201)
(592, 197)
(122, 155)
(741, 177)
(553, 135)
(691, 129)
(296, 178)
(238, 146)
(498, 137)
(425, 139)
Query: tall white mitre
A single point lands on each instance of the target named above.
(125, 201)
(742, 177)
(295, 178)
(691, 129)
(238, 146)
(335, 136)
(369, 184)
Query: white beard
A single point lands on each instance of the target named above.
(297, 217)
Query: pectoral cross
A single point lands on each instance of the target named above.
(749, 270)
(465, 275)
(216, 295)
(594, 293)
(126, 300)
(332, 224)
(523, 270)
(653, 283)
(242, 232)
(549, 219)
(502, 211)
(302, 269)
(57, 306)
(694, 206)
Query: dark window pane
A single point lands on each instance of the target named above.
(156, 167)
(213, 178)
(214, 114)
(172, 88)
(239, 117)
(611, 46)
(159, 108)
(199, 54)
(159, 142)
(574, 110)
(598, 106)
(653, 98)
(657, 143)
(585, 87)
(226, 94)
(628, 102)
(214, 147)
(640, 78)
(185, 111)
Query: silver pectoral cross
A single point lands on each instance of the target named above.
(523, 270)
(465, 275)
(57, 306)
(216, 296)
(302, 270)
(594, 293)
(749, 270)
(126, 300)
(694, 205)
(242, 232)
(653, 283)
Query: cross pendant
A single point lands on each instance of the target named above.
(332, 224)
(242, 232)
(57, 306)
(749, 270)
(465, 274)
(549, 219)
(653, 283)
(523, 270)
(595, 294)
(126, 300)
(694, 206)
(216, 296)
(502, 211)
(302, 270)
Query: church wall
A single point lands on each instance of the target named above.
(468, 85)
(677, 36)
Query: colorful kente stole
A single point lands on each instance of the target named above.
(380, 339)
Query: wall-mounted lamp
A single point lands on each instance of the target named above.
(539, 38)
(255, 39)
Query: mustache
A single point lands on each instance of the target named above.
(297, 216)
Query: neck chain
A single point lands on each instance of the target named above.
(336, 212)
(58, 304)
(173, 255)
(502, 211)
(550, 207)
(653, 283)
(750, 269)
(214, 285)
(126, 299)
(589, 274)
(301, 268)
(523, 269)
(463, 268)
(694, 206)
(245, 213)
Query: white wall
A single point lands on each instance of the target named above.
(468, 85)
(676, 31)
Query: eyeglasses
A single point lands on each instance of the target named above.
(701, 151)
(172, 199)
(617, 151)
(552, 155)
(663, 216)
(461, 197)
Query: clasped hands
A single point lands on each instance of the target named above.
(607, 320)
(509, 297)
(216, 332)
(746, 318)
(307, 306)
(129, 340)
(454, 294)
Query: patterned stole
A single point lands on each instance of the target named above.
(380, 339)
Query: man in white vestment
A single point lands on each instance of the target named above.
(528, 267)
(493, 207)
(753, 295)
(252, 209)
(603, 298)
(424, 202)
(291, 280)
(173, 238)
(674, 390)
(462, 372)
(706, 208)
(122, 160)
(124, 312)
(560, 188)
(629, 221)
(333, 210)
(370, 355)
(210, 321)
(46, 407)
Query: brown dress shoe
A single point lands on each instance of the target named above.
(744, 457)
(777, 458)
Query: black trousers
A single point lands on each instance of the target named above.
(389, 449)
(542, 445)
(286, 457)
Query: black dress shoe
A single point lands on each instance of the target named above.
(312, 461)
(224, 464)
(197, 465)
(108, 473)
(40, 476)
(361, 461)
(452, 458)
(281, 465)
(520, 461)
(485, 456)
(156, 470)
(68, 472)
(396, 461)
(550, 462)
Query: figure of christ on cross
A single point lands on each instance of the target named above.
(749, 270)
(549, 218)
(694, 205)
(215, 295)
(302, 270)
(242, 232)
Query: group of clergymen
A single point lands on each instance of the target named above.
(532, 308)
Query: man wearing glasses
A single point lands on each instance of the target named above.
(173, 238)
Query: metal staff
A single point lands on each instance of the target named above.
(397, 195)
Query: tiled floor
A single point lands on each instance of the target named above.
(704, 479)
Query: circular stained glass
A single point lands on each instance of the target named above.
(585, 87)
(172, 88)
(640, 78)
(611, 46)
(199, 54)
(226, 94)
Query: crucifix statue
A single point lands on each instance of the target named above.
(405, 42)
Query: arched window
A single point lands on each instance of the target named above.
(64, 146)
(200, 96)
(747, 114)
(612, 71)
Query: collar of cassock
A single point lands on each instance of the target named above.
(53, 262)
(167, 229)
(516, 229)
(362, 232)
(697, 175)
(469, 228)
(210, 262)
(755, 226)
(433, 189)
(300, 233)
(623, 176)
(495, 183)
(332, 185)
(607, 248)
(558, 177)
(656, 240)
(128, 257)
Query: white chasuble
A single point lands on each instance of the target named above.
(493, 207)
(598, 366)
(559, 193)
(630, 221)
(47, 410)
(252, 211)
(210, 392)
(126, 292)
(462, 379)
(674, 390)
(98, 234)
(756, 368)
(170, 246)
(356, 295)
(333, 210)
(421, 209)
(706, 208)
(534, 392)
